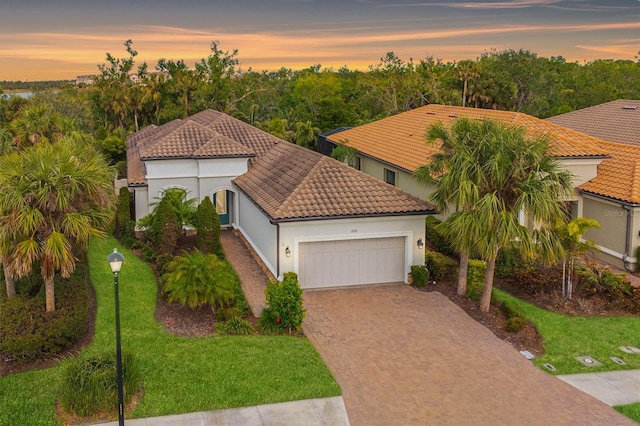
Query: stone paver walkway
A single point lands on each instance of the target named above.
(404, 357)
(253, 278)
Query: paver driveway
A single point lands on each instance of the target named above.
(407, 357)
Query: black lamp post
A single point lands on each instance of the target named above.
(115, 261)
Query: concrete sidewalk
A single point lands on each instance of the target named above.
(308, 412)
(611, 387)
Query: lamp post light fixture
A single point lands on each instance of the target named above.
(420, 244)
(115, 261)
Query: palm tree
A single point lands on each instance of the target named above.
(35, 124)
(466, 71)
(197, 279)
(502, 172)
(453, 189)
(573, 245)
(52, 199)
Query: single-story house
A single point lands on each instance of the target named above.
(300, 211)
(604, 173)
(613, 196)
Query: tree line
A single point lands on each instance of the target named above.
(297, 105)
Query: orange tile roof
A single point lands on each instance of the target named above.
(294, 183)
(400, 139)
(618, 176)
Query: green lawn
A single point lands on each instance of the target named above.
(566, 337)
(179, 374)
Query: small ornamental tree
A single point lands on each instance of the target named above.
(165, 228)
(124, 224)
(207, 225)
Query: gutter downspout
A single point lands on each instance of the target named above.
(627, 240)
(277, 250)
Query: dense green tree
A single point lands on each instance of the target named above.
(52, 199)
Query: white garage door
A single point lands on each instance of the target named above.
(351, 262)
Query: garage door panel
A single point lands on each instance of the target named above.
(351, 262)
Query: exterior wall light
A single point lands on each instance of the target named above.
(287, 252)
(420, 244)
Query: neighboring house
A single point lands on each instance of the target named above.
(615, 121)
(613, 197)
(299, 210)
(608, 184)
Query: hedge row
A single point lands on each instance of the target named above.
(28, 331)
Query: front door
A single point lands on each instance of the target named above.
(221, 201)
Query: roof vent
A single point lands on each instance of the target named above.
(631, 107)
(453, 115)
(431, 113)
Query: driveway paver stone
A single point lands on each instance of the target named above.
(404, 357)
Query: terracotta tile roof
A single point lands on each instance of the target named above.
(618, 176)
(615, 121)
(292, 183)
(400, 139)
(207, 134)
(190, 140)
(619, 123)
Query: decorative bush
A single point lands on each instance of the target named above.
(616, 288)
(207, 225)
(269, 322)
(195, 279)
(537, 279)
(440, 266)
(437, 239)
(284, 301)
(28, 331)
(89, 385)
(515, 324)
(419, 275)
(507, 262)
(475, 278)
(234, 326)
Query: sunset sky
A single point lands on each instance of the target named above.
(60, 39)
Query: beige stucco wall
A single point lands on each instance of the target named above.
(404, 179)
(613, 229)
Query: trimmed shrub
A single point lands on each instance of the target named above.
(475, 278)
(515, 324)
(419, 275)
(165, 228)
(28, 331)
(440, 267)
(284, 301)
(90, 386)
(234, 326)
(507, 262)
(268, 322)
(437, 239)
(124, 225)
(207, 225)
